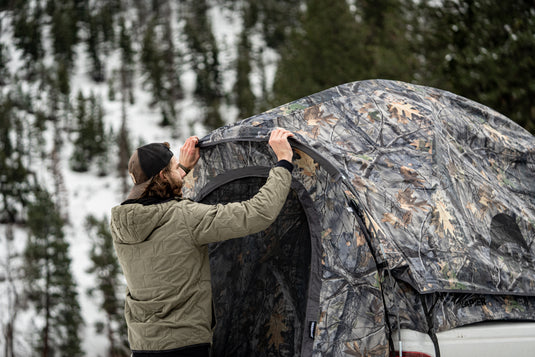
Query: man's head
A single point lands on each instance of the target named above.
(151, 167)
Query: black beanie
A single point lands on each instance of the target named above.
(153, 158)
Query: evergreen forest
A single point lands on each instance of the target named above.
(83, 83)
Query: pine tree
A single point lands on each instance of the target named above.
(160, 61)
(108, 272)
(4, 59)
(103, 144)
(125, 43)
(98, 145)
(126, 73)
(277, 19)
(93, 48)
(127, 60)
(245, 98)
(60, 108)
(50, 285)
(205, 60)
(13, 301)
(323, 51)
(80, 158)
(250, 13)
(124, 147)
(483, 50)
(384, 27)
(99, 17)
(27, 28)
(15, 184)
(123, 143)
(106, 23)
(91, 143)
(64, 29)
(152, 62)
(263, 102)
(63, 83)
(173, 87)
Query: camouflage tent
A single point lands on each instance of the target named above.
(409, 205)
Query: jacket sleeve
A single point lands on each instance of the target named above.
(214, 223)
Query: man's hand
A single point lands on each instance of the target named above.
(278, 140)
(189, 153)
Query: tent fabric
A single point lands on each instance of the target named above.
(349, 291)
(261, 282)
(408, 182)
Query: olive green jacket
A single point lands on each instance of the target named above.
(162, 249)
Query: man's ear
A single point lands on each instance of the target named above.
(162, 175)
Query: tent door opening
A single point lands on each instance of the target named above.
(261, 283)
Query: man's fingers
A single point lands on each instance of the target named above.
(280, 133)
(191, 142)
(287, 134)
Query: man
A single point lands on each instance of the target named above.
(161, 242)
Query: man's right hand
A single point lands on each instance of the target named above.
(278, 140)
(189, 152)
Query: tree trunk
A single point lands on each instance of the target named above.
(47, 309)
(12, 296)
(124, 154)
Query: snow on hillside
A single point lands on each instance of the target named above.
(89, 194)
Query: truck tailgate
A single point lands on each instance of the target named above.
(489, 339)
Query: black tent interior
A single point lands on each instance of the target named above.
(260, 282)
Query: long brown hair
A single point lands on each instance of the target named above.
(163, 187)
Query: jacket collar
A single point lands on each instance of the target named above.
(146, 201)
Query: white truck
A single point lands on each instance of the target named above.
(485, 339)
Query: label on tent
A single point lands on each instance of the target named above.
(312, 331)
